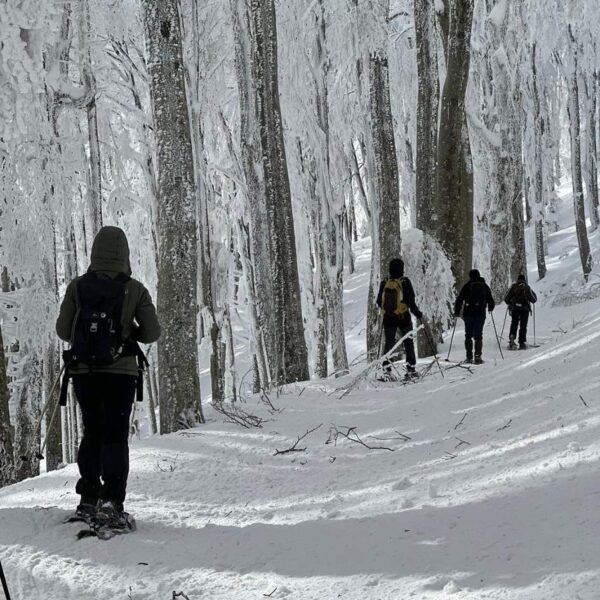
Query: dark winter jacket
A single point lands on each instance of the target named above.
(476, 287)
(518, 298)
(110, 257)
(408, 297)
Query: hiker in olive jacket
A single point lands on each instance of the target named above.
(474, 298)
(393, 322)
(106, 393)
(519, 299)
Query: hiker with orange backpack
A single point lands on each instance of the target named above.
(396, 299)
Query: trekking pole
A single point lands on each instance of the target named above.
(504, 324)
(38, 424)
(534, 342)
(430, 341)
(496, 332)
(4, 584)
(451, 339)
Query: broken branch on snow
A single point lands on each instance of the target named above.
(295, 448)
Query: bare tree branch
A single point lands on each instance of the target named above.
(295, 448)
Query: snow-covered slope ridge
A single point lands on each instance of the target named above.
(490, 488)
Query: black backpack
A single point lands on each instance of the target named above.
(520, 295)
(477, 295)
(97, 338)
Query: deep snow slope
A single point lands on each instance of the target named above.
(490, 487)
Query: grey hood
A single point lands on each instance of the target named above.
(110, 251)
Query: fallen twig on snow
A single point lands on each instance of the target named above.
(266, 400)
(238, 416)
(449, 456)
(180, 595)
(351, 435)
(375, 363)
(505, 426)
(402, 436)
(460, 422)
(584, 402)
(269, 595)
(295, 448)
(461, 443)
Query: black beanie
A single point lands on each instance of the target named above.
(521, 277)
(474, 275)
(396, 268)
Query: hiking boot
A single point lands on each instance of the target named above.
(85, 512)
(469, 349)
(411, 372)
(110, 514)
(511, 343)
(86, 508)
(478, 360)
(522, 346)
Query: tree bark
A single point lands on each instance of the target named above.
(387, 243)
(428, 99)
(179, 387)
(575, 131)
(265, 168)
(454, 218)
(6, 430)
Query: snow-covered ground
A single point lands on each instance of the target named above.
(490, 487)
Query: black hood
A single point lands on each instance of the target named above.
(110, 251)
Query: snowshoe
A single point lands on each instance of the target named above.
(478, 360)
(85, 513)
(386, 378)
(523, 346)
(411, 374)
(110, 520)
(512, 346)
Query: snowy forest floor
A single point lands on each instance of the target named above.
(492, 489)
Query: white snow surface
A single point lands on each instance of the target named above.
(494, 493)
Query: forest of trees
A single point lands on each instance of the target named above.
(245, 147)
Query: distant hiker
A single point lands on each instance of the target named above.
(519, 299)
(476, 296)
(396, 299)
(104, 314)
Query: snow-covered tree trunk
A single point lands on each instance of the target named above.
(428, 99)
(536, 124)
(590, 174)
(268, 190)
(179, 387)
(27, 443)
(6, 431)
(331, 226)
(381, 159)
(94, 190)
(575, 132)
(454, 214)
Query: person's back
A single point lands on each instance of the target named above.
(104, 367)
(473, 300)
(519, 299)
(396, 299)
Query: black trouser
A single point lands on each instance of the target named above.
(389, 331)
(474, 331)
(103, 459)
(519, 320)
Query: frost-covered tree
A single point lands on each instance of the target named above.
(179, 388)
(454, 207)
(272, 235)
